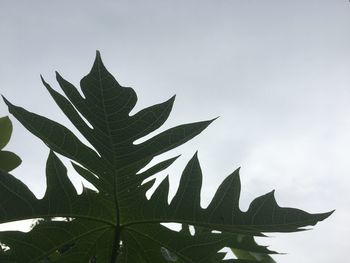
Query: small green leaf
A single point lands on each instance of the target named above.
(5, 131)
(250, 255)
(9, 161)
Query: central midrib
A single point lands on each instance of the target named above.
(116, 240)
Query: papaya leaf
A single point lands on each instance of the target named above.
(118, 224)
(8, 160)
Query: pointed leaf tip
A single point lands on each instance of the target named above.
(236, 172)
(98, 61)
(47, 85)
(323, 216)
(43, 81)
(98, 56)
(6, 101)
(59, 78)
(172, 99)
(212, 120)
(194, 158)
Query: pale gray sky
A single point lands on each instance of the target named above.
(277, 72)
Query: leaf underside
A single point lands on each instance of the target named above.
(118, 223)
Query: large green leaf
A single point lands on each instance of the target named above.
(118, 223)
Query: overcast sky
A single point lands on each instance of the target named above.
(276, 72)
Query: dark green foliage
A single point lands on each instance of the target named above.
(118, 223)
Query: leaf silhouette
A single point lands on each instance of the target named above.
(118, 223)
